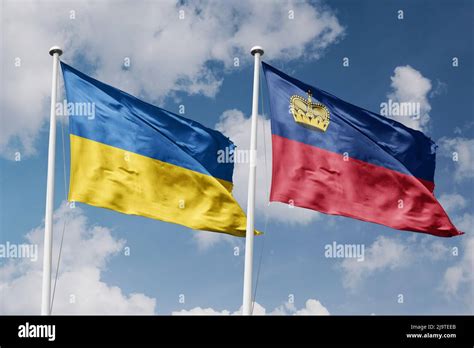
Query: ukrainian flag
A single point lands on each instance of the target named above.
(135, 158)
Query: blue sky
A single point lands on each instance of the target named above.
(167, 260)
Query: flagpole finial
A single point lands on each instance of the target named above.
(55, 49)
(256, 49)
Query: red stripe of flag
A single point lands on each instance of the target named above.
(313, 178)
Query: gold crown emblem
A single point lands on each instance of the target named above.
(307, 113)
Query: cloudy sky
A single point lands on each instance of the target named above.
(196, 54)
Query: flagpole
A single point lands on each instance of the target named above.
(55, 52)
(257, 52)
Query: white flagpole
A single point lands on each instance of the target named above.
(55, 51)
(257, 52)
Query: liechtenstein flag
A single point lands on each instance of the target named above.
(339, 159)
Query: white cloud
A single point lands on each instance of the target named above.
(236, 126)
(206, 240)
(200, 311)
(432, 249)
(86, 252)
(452, 279)
(312, 307)
(390, 254)
(461, 273)
(256, 310)
(167, 54)
(465, 222)
(461, 152)
(384, 253)
(409, 85)
(452, 201)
